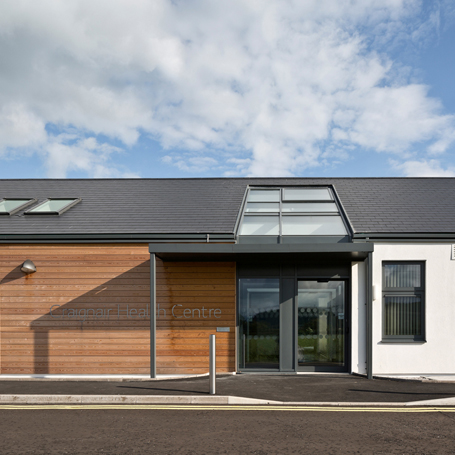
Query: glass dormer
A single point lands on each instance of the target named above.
(292, 211)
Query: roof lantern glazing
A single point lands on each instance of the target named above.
(302, 211)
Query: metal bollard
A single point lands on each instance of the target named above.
(212, 367)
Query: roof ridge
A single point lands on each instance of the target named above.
(223, 178)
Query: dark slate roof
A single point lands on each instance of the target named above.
(154, 206)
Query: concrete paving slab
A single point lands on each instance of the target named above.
(437, 402)
(39, 399)
(443, 378)
(198, 400)
(130, 399)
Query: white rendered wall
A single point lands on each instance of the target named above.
(358, 315)
(437, 354)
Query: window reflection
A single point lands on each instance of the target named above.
(259, 325)
(321, 323)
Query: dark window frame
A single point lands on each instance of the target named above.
(404, 292)
(240, 357)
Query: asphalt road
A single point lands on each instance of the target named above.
(226, 431)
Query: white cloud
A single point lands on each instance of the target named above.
(19, 127)
(196, 164)
(424, 168)
(268, 87)
(393, 118)
(66, 153)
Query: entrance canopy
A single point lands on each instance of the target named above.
(278, 266)
(233, 251)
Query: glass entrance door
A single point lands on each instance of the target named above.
(321, 326)
(259, 324)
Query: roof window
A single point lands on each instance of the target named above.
(302, 211)
(12, 206)
(53, 206)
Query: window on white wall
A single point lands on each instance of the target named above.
(403, 297)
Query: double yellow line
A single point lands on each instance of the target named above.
(170, 407)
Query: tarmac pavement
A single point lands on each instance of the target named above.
(314, 389)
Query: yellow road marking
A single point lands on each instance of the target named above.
(226, 408)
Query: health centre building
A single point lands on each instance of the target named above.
(126, 277)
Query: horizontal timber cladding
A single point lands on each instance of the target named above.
(69, 317)
(193, 299)
(86, 311)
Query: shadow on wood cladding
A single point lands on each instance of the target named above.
(90, 311)
(107, 329)
(39, 340)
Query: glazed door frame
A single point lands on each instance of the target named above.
(347, 329)
(312, 268)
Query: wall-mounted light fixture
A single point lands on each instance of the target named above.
(28, 267)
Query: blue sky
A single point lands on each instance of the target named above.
(196, 88)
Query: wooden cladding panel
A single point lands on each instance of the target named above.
(69, 277)
(114, 280)
(187, 296)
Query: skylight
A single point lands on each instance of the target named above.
(303, 211)
(53, 206)
(11, 206)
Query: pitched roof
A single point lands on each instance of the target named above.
(180, 206)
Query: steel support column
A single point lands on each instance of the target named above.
(369, 314)
(152, 315)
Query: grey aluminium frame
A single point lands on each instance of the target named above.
(347, 280)
(343, 213)
(279, 238)
(396, 291)
(243, 369)
(153, 315)
(242, 213)
(288, 297)
(369, 315)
